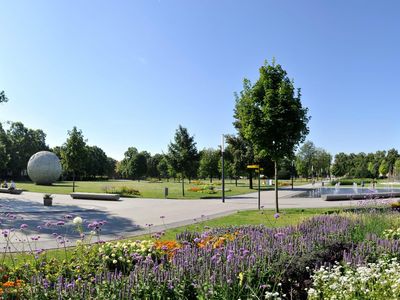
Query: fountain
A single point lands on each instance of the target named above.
(355, 188)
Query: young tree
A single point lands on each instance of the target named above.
(163, 168)
(182, 154)
(74, 153)
(269, 114)
(242, 155)
(209, 159)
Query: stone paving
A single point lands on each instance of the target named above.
(124, 218)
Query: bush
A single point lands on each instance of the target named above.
(349, 181)
(122, 190)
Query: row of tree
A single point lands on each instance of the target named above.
(371, 165)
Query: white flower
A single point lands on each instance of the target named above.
(77, 220)
(114, 261)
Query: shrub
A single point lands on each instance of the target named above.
(349, 181)
(122, 190)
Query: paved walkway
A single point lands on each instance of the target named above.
(128, 217)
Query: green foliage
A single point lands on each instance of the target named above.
(74, 152)
(163, 167)
(134, 164)
(239, 153)
(21, 143)
(208, 166)
(124, 191)
(384, 168)
(182, 154)
(397, 167)
(351, 181)
(3, 97)
(152, 166)
(269, 114)
(311, 161)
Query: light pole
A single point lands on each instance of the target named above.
(222, 172)
(292, 172)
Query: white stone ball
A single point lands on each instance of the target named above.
(44, 167)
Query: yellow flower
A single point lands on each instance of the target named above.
(241, 277)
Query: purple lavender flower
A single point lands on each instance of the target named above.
(5, 232)
(276, 216)
(24, 226)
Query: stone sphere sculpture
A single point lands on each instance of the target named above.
(44, 168)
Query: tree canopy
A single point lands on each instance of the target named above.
(74, 153)
(182, 154)
(269, 114)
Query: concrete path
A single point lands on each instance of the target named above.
(124, 218)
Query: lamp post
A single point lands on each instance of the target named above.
(222, 172)
(292, 172)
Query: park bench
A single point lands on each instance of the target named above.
(94, 196)
(11, 191)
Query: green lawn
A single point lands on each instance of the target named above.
(149, 189)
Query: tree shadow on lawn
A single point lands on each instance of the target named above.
(49, 222)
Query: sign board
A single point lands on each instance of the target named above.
(253, 166)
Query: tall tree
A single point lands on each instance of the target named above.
(340, 165)
(74, 154)
(305, 159)
(182, 154)
(22, 144)
(4, 154)
(96, 162)
(152, 163)
(391, 157)
(384, 168)
(270, 115)
(134, 164)
(397, 168)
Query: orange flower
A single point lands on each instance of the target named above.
(9, 284)
(1, 291)
(169, 247)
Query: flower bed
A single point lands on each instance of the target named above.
(246, 262)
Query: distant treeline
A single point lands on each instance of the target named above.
(371, 165)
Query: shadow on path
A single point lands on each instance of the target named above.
(49, 222)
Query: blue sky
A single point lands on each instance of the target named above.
(127, 73)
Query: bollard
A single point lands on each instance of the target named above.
(165, 192)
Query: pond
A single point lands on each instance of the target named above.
(319, 192)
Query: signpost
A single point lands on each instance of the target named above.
(257, 169)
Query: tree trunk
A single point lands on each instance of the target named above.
(276, 187)
(210, 179)
(183, 186)
(251, 180)
(235, 181)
